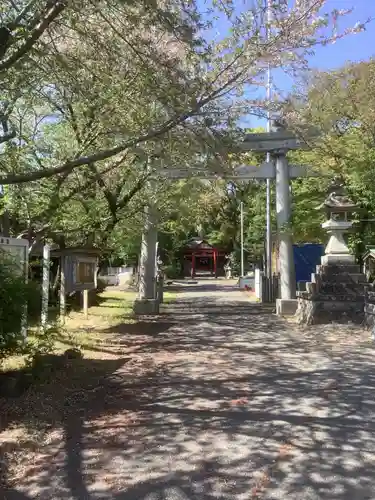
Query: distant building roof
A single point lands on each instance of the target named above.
(198, 243)
(370, 252)
(37, 251)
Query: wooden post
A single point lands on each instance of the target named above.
(193, 265)
(62, 291)
(215, 264)
(86, 303)
(45, 285)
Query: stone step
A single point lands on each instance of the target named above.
(333, 270)
(358, 278)
(334, 287)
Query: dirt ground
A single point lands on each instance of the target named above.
(215, 399)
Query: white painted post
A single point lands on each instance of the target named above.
(242, 238)
(86, 303)
(258, 283)
(45, 285)
(62, 291)
(283, 209)
(156, 270)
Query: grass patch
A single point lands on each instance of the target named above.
(114, 307)
(169, 297)
(35, 423)
(97, 334)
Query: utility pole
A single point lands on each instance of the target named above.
(242, 242)
(268, 185)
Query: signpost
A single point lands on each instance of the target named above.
(77, 274)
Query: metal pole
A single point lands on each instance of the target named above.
(268, 229)
(242, 253)
(284, 211)
(268, 187)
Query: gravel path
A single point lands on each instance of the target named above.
(222, 400)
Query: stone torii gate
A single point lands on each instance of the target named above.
(277, 143)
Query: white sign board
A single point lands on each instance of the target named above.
(17, 249)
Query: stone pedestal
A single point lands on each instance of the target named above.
(370, 308)
(286, 307)
(146, 307)
(336, 292)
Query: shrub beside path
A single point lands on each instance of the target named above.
(216, 399)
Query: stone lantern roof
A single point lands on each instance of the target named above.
(338, 200)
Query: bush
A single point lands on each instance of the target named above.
(101, 285)
(15, 294)
(235, 262)
(173, 270)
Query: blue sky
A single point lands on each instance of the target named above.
(353, 48)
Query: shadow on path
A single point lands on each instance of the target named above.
(223, 401)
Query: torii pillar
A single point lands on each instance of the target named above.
(147, 302)
(285, 241)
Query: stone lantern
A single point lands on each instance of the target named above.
(338, 207)
(337, 288)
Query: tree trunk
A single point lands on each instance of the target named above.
(5, 224)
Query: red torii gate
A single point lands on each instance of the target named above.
(197, 250)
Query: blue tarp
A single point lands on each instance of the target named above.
(306, 258)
